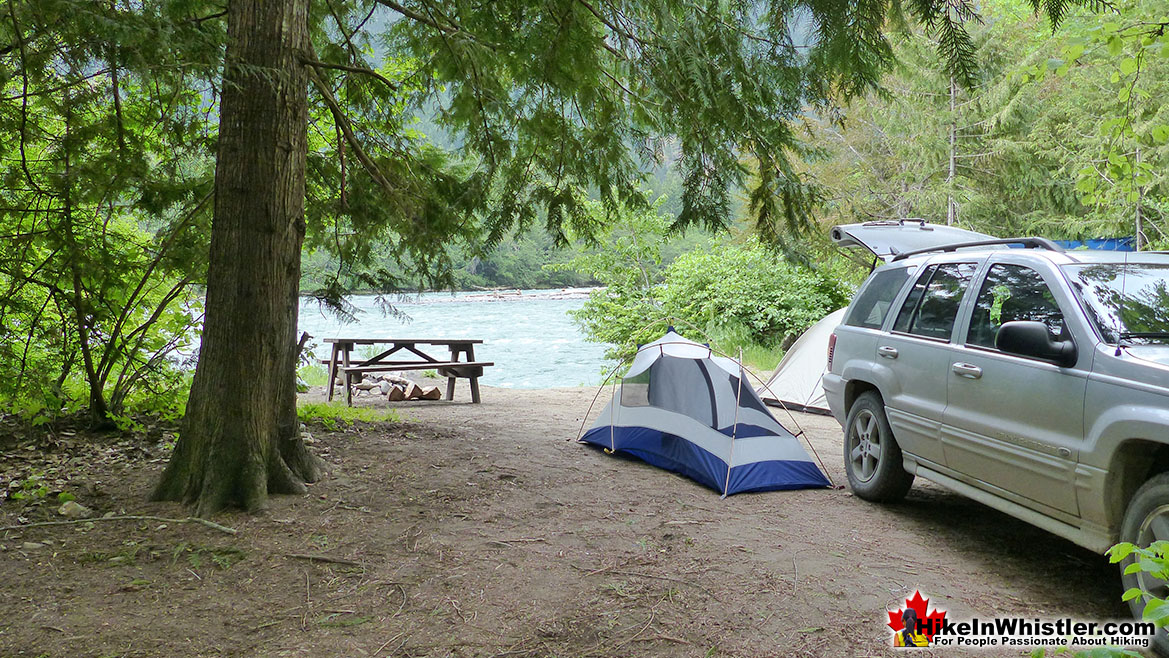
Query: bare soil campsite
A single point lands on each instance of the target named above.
(484, 530)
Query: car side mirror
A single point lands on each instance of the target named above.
(1032, 339)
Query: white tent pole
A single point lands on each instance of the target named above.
(735, 427)
(800, 428)
(599, 389)
(616, 406)
(612, 372)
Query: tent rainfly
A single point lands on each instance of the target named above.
(684, 409)
(797, 383)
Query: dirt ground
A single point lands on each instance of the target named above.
(484, 530)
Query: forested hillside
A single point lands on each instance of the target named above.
(1062, 134)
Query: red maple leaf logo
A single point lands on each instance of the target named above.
(930, 623)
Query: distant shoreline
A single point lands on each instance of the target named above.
(494, 295)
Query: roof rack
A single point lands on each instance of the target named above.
(899, 222)
(1027, 243)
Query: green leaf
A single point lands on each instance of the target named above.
(1124, 94)
(1054, 63)
(1131, 593)
(1115, 45)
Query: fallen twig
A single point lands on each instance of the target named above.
(648, 575)
(510, 543)
(190, 519)
(387, 643)
(322, 558)
(662, 636)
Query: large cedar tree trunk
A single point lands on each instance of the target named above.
(239, 440)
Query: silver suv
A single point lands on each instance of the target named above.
(1033, 380)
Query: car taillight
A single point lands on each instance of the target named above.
(831, 349)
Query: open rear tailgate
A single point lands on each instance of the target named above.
(886, 239)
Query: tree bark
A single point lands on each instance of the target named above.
(240, 439)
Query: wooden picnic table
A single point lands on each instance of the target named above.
(341, 361)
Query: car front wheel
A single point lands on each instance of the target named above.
(1145, 521)
(872, 458)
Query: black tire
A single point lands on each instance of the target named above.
(1147, 520)
(872, 458)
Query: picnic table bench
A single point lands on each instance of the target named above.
(340, 362)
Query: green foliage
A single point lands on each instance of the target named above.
(106, 175)
(747, 293)
(335, 416)
(516, 262)
(736, 294)
(32, 488)
(314, 375)
(1153, 560)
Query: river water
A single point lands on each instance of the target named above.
(528, 334)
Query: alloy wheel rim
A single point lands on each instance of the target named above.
(1155, 527)
(864, 445)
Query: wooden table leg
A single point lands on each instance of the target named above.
(348, 375)
(450, 381)
(474, 380)
(332, 371)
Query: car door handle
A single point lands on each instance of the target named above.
(887, 352)
(968, 370)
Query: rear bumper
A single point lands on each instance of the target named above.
(834, 391)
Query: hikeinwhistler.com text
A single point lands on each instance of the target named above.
(1020, 632)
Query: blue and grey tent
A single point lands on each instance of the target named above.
(684, 409)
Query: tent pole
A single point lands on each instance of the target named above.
(613, 421)
(599, 389)
(735, 427)
(798, 426)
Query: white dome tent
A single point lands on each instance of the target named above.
(682, 408)
(796, 383)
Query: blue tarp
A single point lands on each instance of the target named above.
(1103, 244)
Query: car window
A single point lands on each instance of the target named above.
(876, 297)
(932, 305)
(1127, 302)
(1012, 293)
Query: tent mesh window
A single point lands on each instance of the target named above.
(635, 390)
(674, 387)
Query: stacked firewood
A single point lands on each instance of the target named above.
(395, 388)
